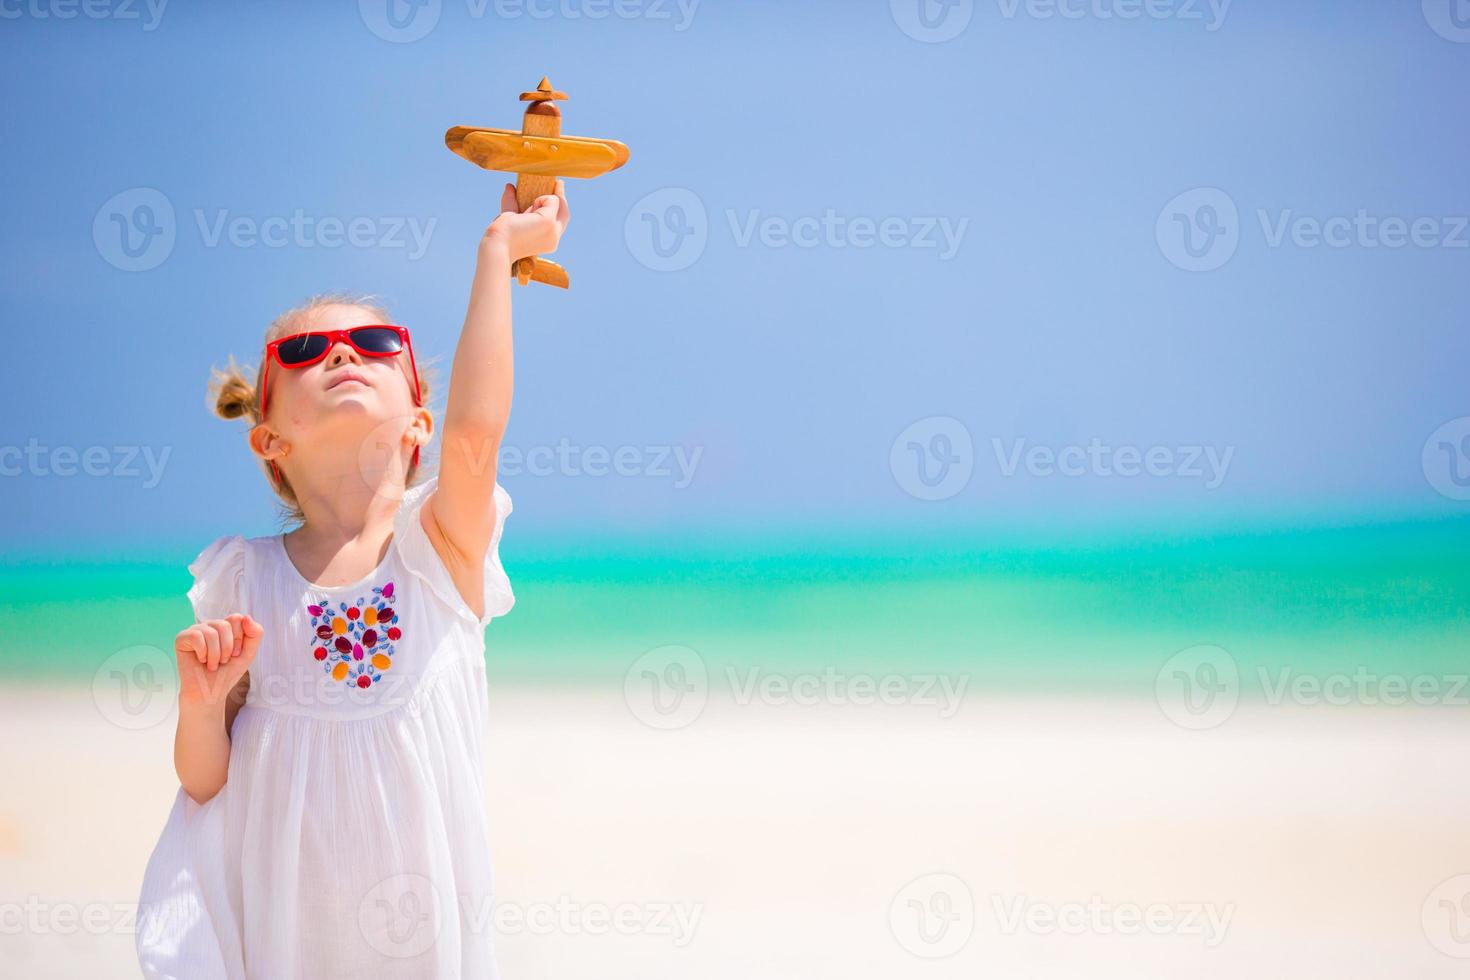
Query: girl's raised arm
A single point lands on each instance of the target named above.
(460, 516)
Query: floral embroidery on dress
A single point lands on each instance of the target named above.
(354, 643)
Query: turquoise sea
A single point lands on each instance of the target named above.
(1098, 614)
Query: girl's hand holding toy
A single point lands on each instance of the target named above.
(534, 231)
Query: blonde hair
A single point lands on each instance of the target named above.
(233, 395)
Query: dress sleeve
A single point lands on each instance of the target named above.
(421, 560)
(218, 572)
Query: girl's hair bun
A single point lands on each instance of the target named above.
(233, 393)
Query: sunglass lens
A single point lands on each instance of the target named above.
(300, 350)
(377, 340)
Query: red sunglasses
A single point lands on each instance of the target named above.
(305, 349)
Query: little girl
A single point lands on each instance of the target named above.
(330, 820)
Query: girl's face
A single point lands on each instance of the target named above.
(346, 396)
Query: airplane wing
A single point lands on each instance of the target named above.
(547, 156)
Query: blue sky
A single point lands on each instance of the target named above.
(839, 251)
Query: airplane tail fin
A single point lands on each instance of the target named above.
(542, 270)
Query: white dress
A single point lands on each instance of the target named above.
(351, 838)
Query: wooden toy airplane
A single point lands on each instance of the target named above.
(537, 155)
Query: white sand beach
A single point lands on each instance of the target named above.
(1024, 837)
